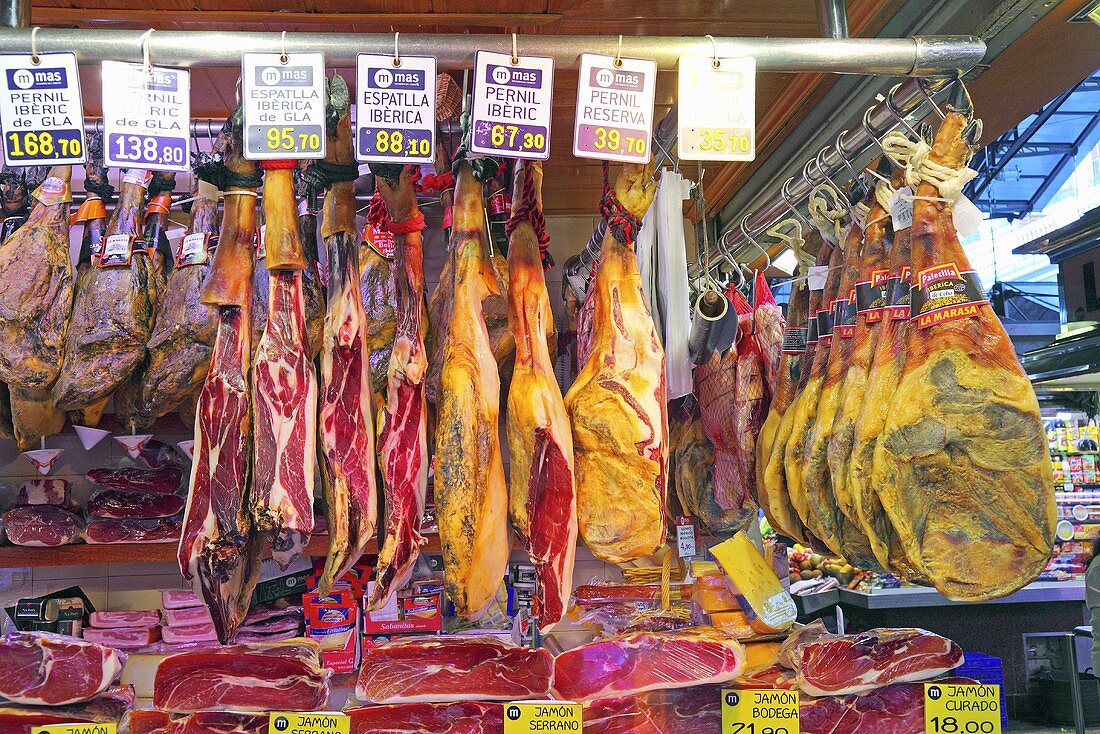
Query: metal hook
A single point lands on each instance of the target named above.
(283, 58)
(897, 113)
(619, 53)
(143, 43)
(785, 194)
(396, 49)
(818, 162)
(744, 231)
(35, 59)
(838, 146)
(515, 49)
(869, 128)
(927, 96)
(716, 63)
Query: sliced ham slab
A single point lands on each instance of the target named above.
(894, 709)
(679, 711)
(123, 637)
(41, 525)
(46, 492)
(46, 669)
(185, 617)
(219, 722)
(439, 670)
(110, 620)
(132, 479)
(111, 706)
(202, 632)
(467, 717)
(179, 599)
(159, 530)
(119, 505)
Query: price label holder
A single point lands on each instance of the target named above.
(614, 120)
(308, 722)
(41, 116)
(528, 717)
(716, 116)
(284, 105)
(395, 113)
(104, 728)
(962, 709)
(685, 537)
(146, 117)
(763, 711)
(512, 106)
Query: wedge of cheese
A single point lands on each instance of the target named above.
(768, 606)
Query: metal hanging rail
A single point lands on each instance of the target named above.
(919, 56)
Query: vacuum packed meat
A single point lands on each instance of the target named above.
(114, 503)
(53, 670)
(41, 525)
(165, 480)
(159, 530)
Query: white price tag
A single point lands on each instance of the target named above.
(395, 109)
(41, 117)
(512, 106)
(685, 537)
(284, 105)
(967, 217)
(816, 276)
(146, 117)
(901, 209)
(614, 120)
(716, 114)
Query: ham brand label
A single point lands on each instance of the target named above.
(955, 709)
(395, 109)
(512, 105)
(794, 339)
(308, 722)
(528, 717)
(283, 98)
(812, 335)
(614, 119)
(117, 251)
(41, 117)
(105, 728)
(871, 296)
(943, 293)
(195, 249)
(846, 316)
(146, 117)
(716, 118)
(824, 320)
(750, 711)
(897, 295)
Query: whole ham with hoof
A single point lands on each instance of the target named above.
(543, 498)
(219, 551)
(962, 466)
(617, 404)
(471, 495)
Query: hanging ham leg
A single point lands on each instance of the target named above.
(618, 403)
(543, 500)
(284, 383)
(471, 496)
(346, 423)
(218, 551)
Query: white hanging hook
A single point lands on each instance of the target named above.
(619, 53)
(396, 49)
(34, 46)
(716, 63)
(283, 58)
(143, 43)
(515, 49)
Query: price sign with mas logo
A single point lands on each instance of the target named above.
(716, 117)
(527, 717)
(75, 729)
(614, 119)
(766, 711)
(41, 117)
(283, 98)
(308, 722)
(962, 709)
(395, 114)
(512, 105)
(146, 117)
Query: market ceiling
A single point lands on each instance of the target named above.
(571, 185)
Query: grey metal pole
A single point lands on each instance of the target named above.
(15, 13)
(918, 56)
(832, 18)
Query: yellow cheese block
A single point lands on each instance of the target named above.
(761, 654)
(713, 593)
(770, 608)
(140, 670)
(732, 623)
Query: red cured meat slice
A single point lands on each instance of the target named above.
(190, 633)
(468, 717)
(114, 503)
(41, 525)
(123, 637)
(283, 676)
(596, 594)
(44, 669)
(863, 662)
(679, 711)
(647, 661)
(894, 709)
(148, 721)
(285, 623)
(244, 635)
(219, 722)
(160, 530)
(179, 599)
(112, 706)
(185, 617)
(46, 492)
(110, 620)
(440, 670)
(130, 479)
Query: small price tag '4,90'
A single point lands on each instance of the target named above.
(685, 537)
(753, 711)
(528, 717)
(283, 99)
(41, 117)
(962, 709)
(308, 722)
(110, 728)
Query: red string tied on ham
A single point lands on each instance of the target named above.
(530, 211)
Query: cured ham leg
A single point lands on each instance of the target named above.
(543, 499)
(962, 466)
(618, 403)
(471, 496)
(284, 383)
(403, 450)
(218, 551)
(346, 423)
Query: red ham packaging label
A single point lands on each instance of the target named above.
(795, 339)
(195, 248)
(846, 316)
(118, 249)
(871, 296)
(944, 293)
(897, 295)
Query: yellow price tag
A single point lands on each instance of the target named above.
(308, 722)
(110, 728)
(541, 716)
(962, 709)
(765, 711)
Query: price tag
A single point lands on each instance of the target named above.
(308, 722)
(284, 105)
(41, 117)
(614, 120)
(512, 106)
(816, 275)
(146, 117)
(716, 117)
(967, 217)
(104, 728)
(395, 114)
(685, 537)
(962, 709)
(527, 717)
(752, 711)
(901, 209)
